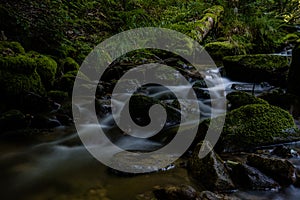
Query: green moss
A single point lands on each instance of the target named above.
(289, 39)
(238, 99)
(257, 68)
(12, 119)
(217, 50)
(15, 47)
(23, 64)
(256, 125)
(69, 64)
(46, 68)
(12, 84)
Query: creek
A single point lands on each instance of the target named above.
(57, 166)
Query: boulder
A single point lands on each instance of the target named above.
(69, 64)
(218, 50)
(46, 68)
(294, 73)
(170, 192)
(256, 125)
(281, 170)
(248, 177)
(7, 47)
(257, 68)
(238, 99)
(12, 119)
(210, 171)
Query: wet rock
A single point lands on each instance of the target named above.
(182, 192)
(207, 195)
(281, 170)
(238, 99)
(256, 125)
(12, 120)
(248, 177)
(42, 121)
(294, 73)
(284, 152)
(210, 171)
(132, 164)
(257, 68)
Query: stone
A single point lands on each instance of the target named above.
(209, 171)
(257, 68)
(256, 125)
(281, 170)
(13, 119)
(248, 177)
(238, 99)
(182, 192)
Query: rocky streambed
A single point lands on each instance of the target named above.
(256, 156)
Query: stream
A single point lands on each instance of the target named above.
(57, 166)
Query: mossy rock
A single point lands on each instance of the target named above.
(12, 84)
(257, 68)
(218, 50)
(238, 99)
(14, 47)
(256, 125)
(19, 64)
(69, 64)
(66, 82)
(46, 68)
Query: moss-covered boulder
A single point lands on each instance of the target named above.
(18, 75)
(46, 68)
(209, 171)
(257, 68)
(7, 47)
(66, 82)
(294, 73)
(69, 64)
(256, 125)
(218, 50)
(20, 64)
(12, 84)
(238, 99)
